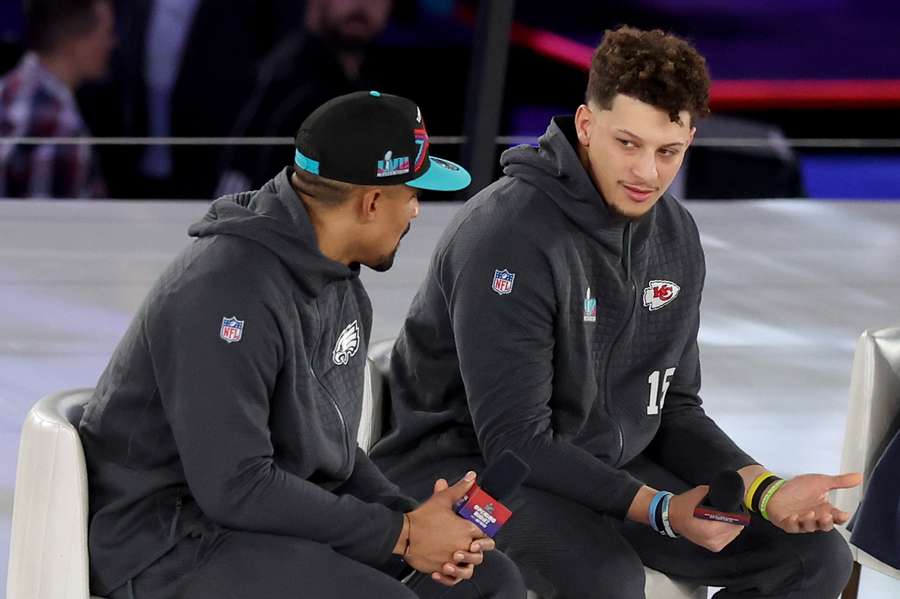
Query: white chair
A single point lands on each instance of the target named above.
(48, 553)
(657, 586)
(874, 409)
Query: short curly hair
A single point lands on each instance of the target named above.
(654, 67)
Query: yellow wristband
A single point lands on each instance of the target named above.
(770, 492)
(748, 496)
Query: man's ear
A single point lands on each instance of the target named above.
(369, 201)
(583, 124)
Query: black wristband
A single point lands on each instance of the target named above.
(658, 518)
(761, 490)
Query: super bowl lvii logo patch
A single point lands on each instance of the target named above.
(659, 294)
(590, 307)
(232, 329)
(503, 281)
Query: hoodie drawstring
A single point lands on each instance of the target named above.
(626, 254)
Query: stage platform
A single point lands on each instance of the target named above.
(790, 286)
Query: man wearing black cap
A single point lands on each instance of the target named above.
(221, 438)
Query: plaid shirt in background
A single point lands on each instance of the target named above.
(34, 103)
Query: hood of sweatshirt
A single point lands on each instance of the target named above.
(274, 217)
(555, 168)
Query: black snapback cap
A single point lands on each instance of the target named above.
(370, 138)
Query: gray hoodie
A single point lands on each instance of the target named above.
(552, 327)
(235, 397)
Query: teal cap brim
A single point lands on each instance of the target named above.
(442, 175)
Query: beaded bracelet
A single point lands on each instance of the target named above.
(408, 533)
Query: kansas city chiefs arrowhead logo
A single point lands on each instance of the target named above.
(660, 293)
(347, 345)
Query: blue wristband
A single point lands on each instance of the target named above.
(654, 504)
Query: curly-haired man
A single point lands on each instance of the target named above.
(559, 319)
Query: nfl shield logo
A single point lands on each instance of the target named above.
(503, 281)
(232, 329)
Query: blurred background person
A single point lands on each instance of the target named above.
(302, 72)
(11, 26)
(184, 69)
(69, 43)
(194, 68)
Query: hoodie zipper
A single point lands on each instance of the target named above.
(626, 263)
(176, 516)
(346, 432)
(337, 409)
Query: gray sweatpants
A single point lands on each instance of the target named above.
(217, 563)
(568, 551)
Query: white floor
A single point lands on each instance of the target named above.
(790, 286)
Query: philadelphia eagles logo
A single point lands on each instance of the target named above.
(347, 345)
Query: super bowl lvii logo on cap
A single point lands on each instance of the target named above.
(391, 166)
